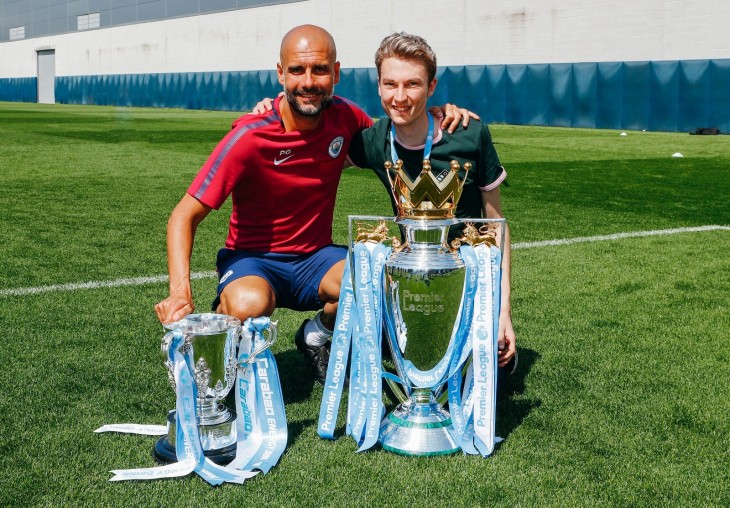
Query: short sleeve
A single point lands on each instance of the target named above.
(222, 171)
(492, 173)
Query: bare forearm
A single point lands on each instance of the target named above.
(506, 302)
(180, 233)
(181, 229)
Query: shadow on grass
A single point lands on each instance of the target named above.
(297, 382)
(511, 410)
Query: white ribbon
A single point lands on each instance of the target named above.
(134, 428)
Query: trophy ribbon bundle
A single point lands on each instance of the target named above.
(201, 432)
(439, 309)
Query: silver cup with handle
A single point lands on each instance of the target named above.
(212, 341)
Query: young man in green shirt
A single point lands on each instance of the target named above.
(406, 79)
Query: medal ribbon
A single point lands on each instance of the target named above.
(427, 147)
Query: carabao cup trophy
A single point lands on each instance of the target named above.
(206, 356)
(211, 340)
(438, 304)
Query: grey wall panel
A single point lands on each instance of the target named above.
(113, 12)
(182, 8)
(57, 11)
(124, 15)
(99, 5)
(217, 5)
(77, 7)
(126, 3)
(59, 25)
(151, 10)
(40, 28)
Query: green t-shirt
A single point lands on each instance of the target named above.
(371, 148)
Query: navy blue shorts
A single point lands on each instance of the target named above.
(294, 278)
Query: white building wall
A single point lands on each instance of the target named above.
(461, 32)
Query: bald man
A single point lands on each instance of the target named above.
(281, 170)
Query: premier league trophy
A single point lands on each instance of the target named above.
(438, 304)
(424, 280)
(211, 341)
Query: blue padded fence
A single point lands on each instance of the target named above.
(19, 89)
(657, 96)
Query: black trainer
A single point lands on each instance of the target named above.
(317, 356)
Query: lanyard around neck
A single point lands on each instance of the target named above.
(426, 148)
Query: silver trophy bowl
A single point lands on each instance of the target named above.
(424, 282)
(212, 340)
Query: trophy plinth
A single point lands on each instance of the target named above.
(218, 440)
(419, 426)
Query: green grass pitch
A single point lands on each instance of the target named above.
(621, 397)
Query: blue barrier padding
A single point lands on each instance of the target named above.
(585, 95)
(18, 89)
(537, 94)
(664, 90)
(694, 109)
(636, 95)
(663, 96)
(609, 95)
(494, 104)
(719, 104)
(561, 95)
(515, 97)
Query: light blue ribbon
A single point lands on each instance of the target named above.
(339, 355)
(357, 336)
(259, 397)
(427, 147)
(462, 350)
(363, 345)
(470, 442)
(187, 442)
(372, 350)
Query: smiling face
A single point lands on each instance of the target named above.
(308, 70)
(404, 90)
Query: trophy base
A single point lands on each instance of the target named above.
(418, 429)
(218, 441)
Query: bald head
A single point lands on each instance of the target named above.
(307, 38)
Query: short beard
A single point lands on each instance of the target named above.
(311, 110)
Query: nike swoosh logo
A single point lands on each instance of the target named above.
(279, 161)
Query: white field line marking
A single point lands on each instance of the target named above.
(617, 236)
(138, 281)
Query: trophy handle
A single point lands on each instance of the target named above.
(165, 345)
(267, 343)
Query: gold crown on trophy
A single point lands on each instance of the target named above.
(428, 196)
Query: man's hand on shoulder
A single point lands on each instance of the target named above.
(264, 105)
(453, 116)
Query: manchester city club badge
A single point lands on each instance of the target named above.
(336, 146)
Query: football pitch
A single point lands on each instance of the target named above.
(621, 396)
